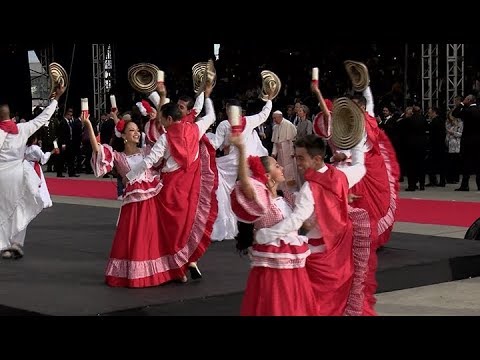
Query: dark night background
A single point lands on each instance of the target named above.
(240, 63)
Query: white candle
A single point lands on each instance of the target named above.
(167, 100)
(84, 103)
(55, 144)
(315, 73)
(113, 101)
(234, 115)
(160, 76)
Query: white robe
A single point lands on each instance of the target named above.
(282, 138)
(20, 199)
(33, 155)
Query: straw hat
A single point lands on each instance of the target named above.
(143, 77)
(358, 73)
(198, 75)
(58, 77)
(271, 85)
(348, 123)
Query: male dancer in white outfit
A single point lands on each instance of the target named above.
(225, 226)
(20, 199)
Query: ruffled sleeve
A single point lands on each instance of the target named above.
(322, 126)
(102, 162)
(246, 210)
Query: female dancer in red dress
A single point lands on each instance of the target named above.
(278, 284)
(135, 258)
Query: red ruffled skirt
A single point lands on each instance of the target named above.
(278, 292)
(136, 259)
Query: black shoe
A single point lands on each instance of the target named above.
(422, 188)
(431, 185)
(409, 189)
(73, 175)
(462, 189)
(194, 272)
(60, 175)
(17, 251)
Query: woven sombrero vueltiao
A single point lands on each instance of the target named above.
(58, 77)
(271, 84)
(199, 70)
(348, 123)
(143, 77)
(358, 73)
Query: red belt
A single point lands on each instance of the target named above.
(316, 242)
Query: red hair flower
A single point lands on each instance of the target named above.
(257, 169)
(120, 126)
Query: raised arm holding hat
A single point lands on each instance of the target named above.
(378, 190)
(23, 201)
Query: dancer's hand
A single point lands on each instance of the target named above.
(339, 157)
(307, 225)
(85, 117)
(237, 140)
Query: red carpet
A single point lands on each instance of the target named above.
(83, 188)
(438, 212)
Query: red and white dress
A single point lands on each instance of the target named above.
(278, 283)
(135, 258)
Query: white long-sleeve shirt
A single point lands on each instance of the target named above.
(367, 93)
(34, 153)
(305, 203)
(221, 137)
(161, 149)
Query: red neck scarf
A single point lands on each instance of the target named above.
(9, 127)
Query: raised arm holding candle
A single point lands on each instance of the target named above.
(234, 117)
(113, 102)
(315, 74)
(160, 76)
(84, 106)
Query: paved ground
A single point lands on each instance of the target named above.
(67, 247)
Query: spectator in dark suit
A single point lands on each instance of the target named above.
(65, 143)
(438, 148)
(415, 126)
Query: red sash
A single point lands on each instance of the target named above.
(37, 168)
(331, 272)
(190, 117)
(183, 142)
(330, 191)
